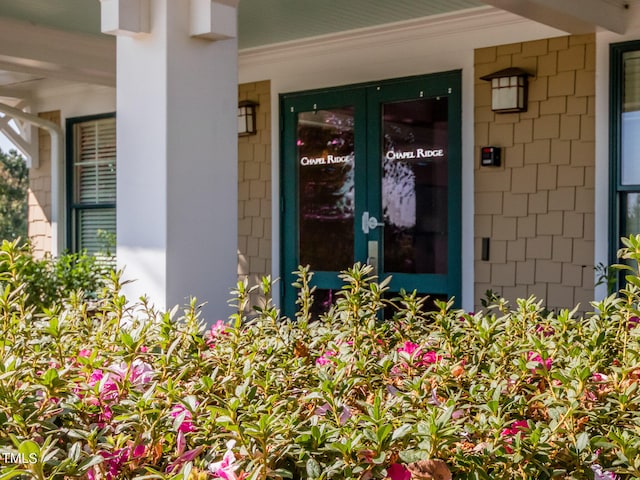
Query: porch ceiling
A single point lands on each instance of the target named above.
(261, 22)
(81, 53)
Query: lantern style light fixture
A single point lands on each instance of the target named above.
(509, 90)
(247, 118)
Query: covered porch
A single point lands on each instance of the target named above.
(197, 206)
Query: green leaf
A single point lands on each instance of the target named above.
(383, 433)
(74, 452)
(50, 376)
(224, 419)
(401, 431)
(12, 473)
(126, 339)
(29, 449)
(282, 472)
(411, 456)
(582, 440)
(86, 464)
(370, 435)
(53, 327)
(379, 460)
(633, 280)
(313, 469)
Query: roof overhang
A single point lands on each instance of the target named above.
(572, 16)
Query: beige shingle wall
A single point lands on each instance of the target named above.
(39, 197)
(538, 207)
(254, 189)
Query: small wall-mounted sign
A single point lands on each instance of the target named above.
(490, 156)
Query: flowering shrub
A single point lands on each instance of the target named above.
(122, 391)
(46, 280)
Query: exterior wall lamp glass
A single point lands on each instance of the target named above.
(247, 118)
(509, 90)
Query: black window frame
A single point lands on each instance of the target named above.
(73, 207)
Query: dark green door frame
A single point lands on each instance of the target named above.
(367, 101)
(619, 189)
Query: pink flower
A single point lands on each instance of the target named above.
(323, 409)
(457, 414)
(181, 443)
(515, 428)
(397, 471)
(590, 396)
(345, 415)
(545, 330)
(184, 458)
(107, 414)
(140, 373)
(325, 359)
(85, 353)
(409, 348)
(226, 468)
(600, 474)
(110, 383)
(534, 357)
(138, 451)
(107, 386)
(511, 431)
(181, 413)
(430, 357)
(633, 322)
(217, 330)
(112, 465)
(599, 377)
(95, 377)
(345, 412)
(421, 358)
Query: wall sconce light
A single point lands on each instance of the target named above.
(508, 90)
(247, 118)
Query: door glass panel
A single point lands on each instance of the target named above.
(414, 185)
(325, 149)
(630, 214)
(323, 300)
(630, 171)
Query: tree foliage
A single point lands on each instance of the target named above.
(14, 183)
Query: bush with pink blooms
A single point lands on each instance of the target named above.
(105, 390)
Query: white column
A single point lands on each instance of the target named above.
(177, 155)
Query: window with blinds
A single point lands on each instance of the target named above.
(92, 175)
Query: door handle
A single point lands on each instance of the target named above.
(369, 223)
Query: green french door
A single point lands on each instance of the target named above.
(371, 173)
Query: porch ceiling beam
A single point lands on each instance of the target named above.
(8, 92)
(57, 54)
(572, 16)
